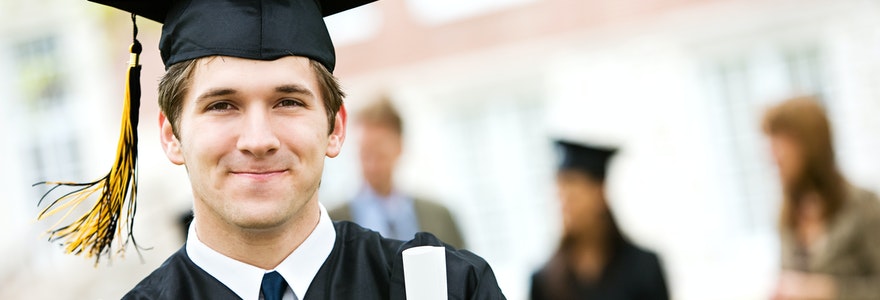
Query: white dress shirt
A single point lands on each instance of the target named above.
(298, 269)
(393, 216)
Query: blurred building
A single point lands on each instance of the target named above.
(484, 86)
(62, 72)
(679, 84)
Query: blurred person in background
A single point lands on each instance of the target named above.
(379, 205)
(829, 229)
(594, 260)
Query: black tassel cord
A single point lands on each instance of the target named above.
(93, 233)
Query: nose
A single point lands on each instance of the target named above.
(257, 136)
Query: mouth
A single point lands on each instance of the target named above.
(259, 174)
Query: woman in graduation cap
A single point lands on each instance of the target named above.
(594, 259)
(250, 107)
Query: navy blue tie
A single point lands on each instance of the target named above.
(273, 286)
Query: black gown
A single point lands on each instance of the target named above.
(631, 274)
(362, 265)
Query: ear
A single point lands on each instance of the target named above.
(334, 143)
(170, 143)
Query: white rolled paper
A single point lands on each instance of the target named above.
(424, 273)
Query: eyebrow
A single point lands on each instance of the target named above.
(294, 89)
(215, 93)
(286, 89)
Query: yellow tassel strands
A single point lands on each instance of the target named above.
(93, 233)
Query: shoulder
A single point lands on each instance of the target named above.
(639, 254)
(552, 271)
(422, 204)
(862, 207)
(642, 268)
(468, 275)
(340, 212)
(640, 261)
(354, 239)
(352, 235)
(864, 199)
(157, 284)
(431, 210)
(645, 258)
(179, 278)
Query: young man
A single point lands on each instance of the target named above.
(251, 109)
(379, 205)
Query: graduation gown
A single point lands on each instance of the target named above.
(632, 273)
(362, 265)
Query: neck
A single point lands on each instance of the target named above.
(588, 259)
(265, 247)
(593, 241)
(589, 252)
(382, 188)
(811, 207)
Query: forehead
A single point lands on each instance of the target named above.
(783, 137)
(375, 126)
(575, 176)
(249, 75)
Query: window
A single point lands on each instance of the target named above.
(51, 146)
(740, 87)
(500, 162)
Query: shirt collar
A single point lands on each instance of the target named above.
(389, 203)
(298, 269)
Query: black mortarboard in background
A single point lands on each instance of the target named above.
(586, 158)
(258, 29)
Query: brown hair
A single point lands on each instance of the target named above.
(382, 112)
(177, 80)
(804, 120)
(557, 273)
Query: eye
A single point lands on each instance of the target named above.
(289, 103)
(220, 106)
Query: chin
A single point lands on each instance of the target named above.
(257, 222)
(259, 214)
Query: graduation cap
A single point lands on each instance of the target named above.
(585, 158)
(259, 29)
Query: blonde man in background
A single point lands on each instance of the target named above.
(379, 205)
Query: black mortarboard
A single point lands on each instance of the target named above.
(258, 29)
(586, 158)
(264, 30)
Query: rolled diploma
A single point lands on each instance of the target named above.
(424, 273)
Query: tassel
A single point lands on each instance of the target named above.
(93, 233)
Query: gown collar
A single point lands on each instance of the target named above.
(298, 269)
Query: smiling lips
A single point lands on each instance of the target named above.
(260, 175)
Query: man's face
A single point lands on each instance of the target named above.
(253, 136)
(582, 200)
(380, 147)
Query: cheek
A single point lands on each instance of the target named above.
(789, 164)
(308, 141)
(371, 153)
(204, 145)
(787, 156)
(589, 202)
(572, 201)
(780, 156)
